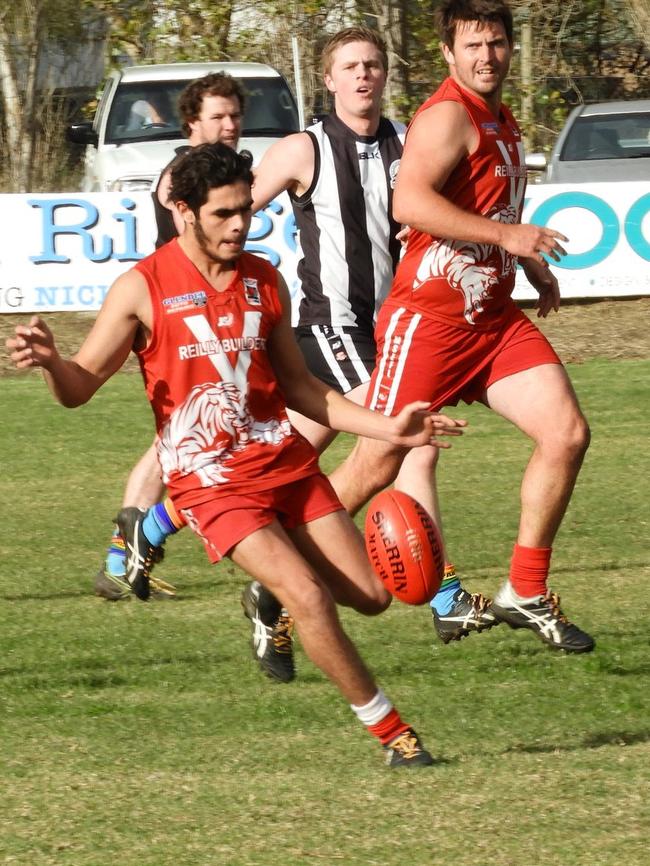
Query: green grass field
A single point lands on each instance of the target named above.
(143, 734)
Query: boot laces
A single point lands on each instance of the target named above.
(282, 632)
(552, 599)
(406, 744)
(479, 603)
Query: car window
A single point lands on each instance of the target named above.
(270, 109)
(148, 111)
(608, 136)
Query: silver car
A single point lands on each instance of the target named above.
(601, 142)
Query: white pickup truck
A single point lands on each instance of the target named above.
(126, 146)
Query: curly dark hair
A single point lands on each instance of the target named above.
(451, 12)
(204, 168)
(213, 84)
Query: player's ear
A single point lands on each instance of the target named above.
(327, 78)
(447, 53)
(184, 210)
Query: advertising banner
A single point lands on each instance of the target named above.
(62, 251)
(608, 226)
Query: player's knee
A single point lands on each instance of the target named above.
(307, 597)
(422, 460)
(577, 437)
(583, 435)
(571, 438)
(382, 471)
(374, 603)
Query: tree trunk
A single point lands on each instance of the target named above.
(390, 19)
(18, 70)
(13, 112)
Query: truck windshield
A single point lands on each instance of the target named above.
(608, 136)
(148, 110)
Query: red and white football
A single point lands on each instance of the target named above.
(404, 547)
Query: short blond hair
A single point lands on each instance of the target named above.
(352, 34)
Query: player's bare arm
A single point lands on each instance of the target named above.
(306, 394)
(437, 141)
(124, 316)
(287, 165)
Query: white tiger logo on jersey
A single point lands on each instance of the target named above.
(470, 268)
(206, 430)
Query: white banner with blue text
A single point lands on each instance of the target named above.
(62, 251)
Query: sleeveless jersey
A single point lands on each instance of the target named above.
(347, 247)
(220, 415)
(469, 284)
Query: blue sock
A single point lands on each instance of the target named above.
(157, 526)
(116, 556)
(443, 600)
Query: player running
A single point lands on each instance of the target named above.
(449, 329)
(211, 327)
(339, 174)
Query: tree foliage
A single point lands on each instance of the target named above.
(584, 51)
(580, 50)
(27, 29)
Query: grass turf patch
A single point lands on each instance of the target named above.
(144, 734)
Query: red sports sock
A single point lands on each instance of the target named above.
(529, 570)
(390, 727)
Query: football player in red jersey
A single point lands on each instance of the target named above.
(449, 329)
(339, 174)
(211, 326)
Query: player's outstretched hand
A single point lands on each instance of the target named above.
(32, 345)
(530, 241)
(545, 282)
(415, 425)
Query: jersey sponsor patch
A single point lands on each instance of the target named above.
(490, 127)
(188, 301)
(510, 171)
(209, 348)
(251, 291)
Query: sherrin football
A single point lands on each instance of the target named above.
(404, 547)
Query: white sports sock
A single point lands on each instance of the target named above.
(375, 710)
(506, 595)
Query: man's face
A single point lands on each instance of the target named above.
(480, 57)
(220, 119)
(223, 222)
(357, 79)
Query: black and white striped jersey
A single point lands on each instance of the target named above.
(346, 234)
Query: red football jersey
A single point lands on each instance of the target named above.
(468, 284)
(220, 415)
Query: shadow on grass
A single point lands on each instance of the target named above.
(95, 673)
(591, 741)
(199, 589)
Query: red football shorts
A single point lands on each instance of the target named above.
(425, 359)
(224, 521)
